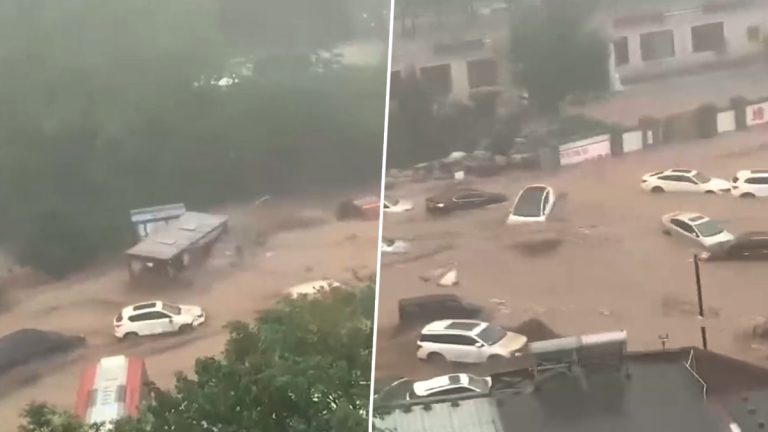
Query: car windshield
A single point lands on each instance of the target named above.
(701, 178)
(492, 334)
(709, 228)
(172, 309)
(479, 383)
(529, 203)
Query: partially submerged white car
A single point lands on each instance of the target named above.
(156, 317)
(533, 204)
(696, 229)
(683, 180)
(312, 288)
(392, 246)
(394, 205)
(447, 385)
(750, 183)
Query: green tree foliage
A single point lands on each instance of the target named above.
(557, 52)
(304, 365)
(98, 115)
(423, 127)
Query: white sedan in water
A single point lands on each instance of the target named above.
(697, 229)
(394, 205)
(533, 204)
(392, 246)
(684, 180)
(313, 288)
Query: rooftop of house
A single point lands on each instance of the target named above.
(177, 236)
(676, 390)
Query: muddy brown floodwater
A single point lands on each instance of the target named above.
(600, 264)
(303, 243)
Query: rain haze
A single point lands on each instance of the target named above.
(584, 176)
(192, 153)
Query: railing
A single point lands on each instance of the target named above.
(692, 360)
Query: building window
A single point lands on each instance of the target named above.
(753, 33)
(657, 45)
(438, 79)
(621, 51)
(708, 37)
(482, 73)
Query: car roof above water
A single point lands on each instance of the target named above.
(423, 387)
(454, 326)
(429, 298)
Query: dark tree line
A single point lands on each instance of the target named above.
(556, 51)
(98, 115)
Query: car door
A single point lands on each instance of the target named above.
(159, 322)
(451, 308)
(461, 348)
(453, 391)
(141, 324)
(677, 183)
(469, 200)
(465, 349)
(688, 183)
(758, 185)
(684, 230)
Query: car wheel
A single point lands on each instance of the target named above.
(710, 192)
(185, 328)
(747, 195)
(666, 232)
(657, 189)
(130, 336)
(436, 358)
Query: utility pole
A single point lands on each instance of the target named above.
(699, 295)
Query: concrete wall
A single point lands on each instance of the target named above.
(737, 44)
(632, 141)
(726, 121)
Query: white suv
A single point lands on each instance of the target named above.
(467, 341)
(750, 183)
(157, 317)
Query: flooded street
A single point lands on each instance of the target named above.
(601, 264)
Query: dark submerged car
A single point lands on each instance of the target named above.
(747, 246)
(435, 307)
(28, 345)
(462, 199)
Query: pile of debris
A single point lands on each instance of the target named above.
(457, 165)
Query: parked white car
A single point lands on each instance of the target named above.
(750, 183)
(533, 204)
(696, 228)
(312, 288)
(447, 385)
(467, 341)
(392, 246)
(157, 317)
(394, 205)
(683, 180)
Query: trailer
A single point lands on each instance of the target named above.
(169, 249)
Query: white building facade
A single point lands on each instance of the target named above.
(658, 43)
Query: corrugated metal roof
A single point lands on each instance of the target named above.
(180, 234)
(473, 415)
